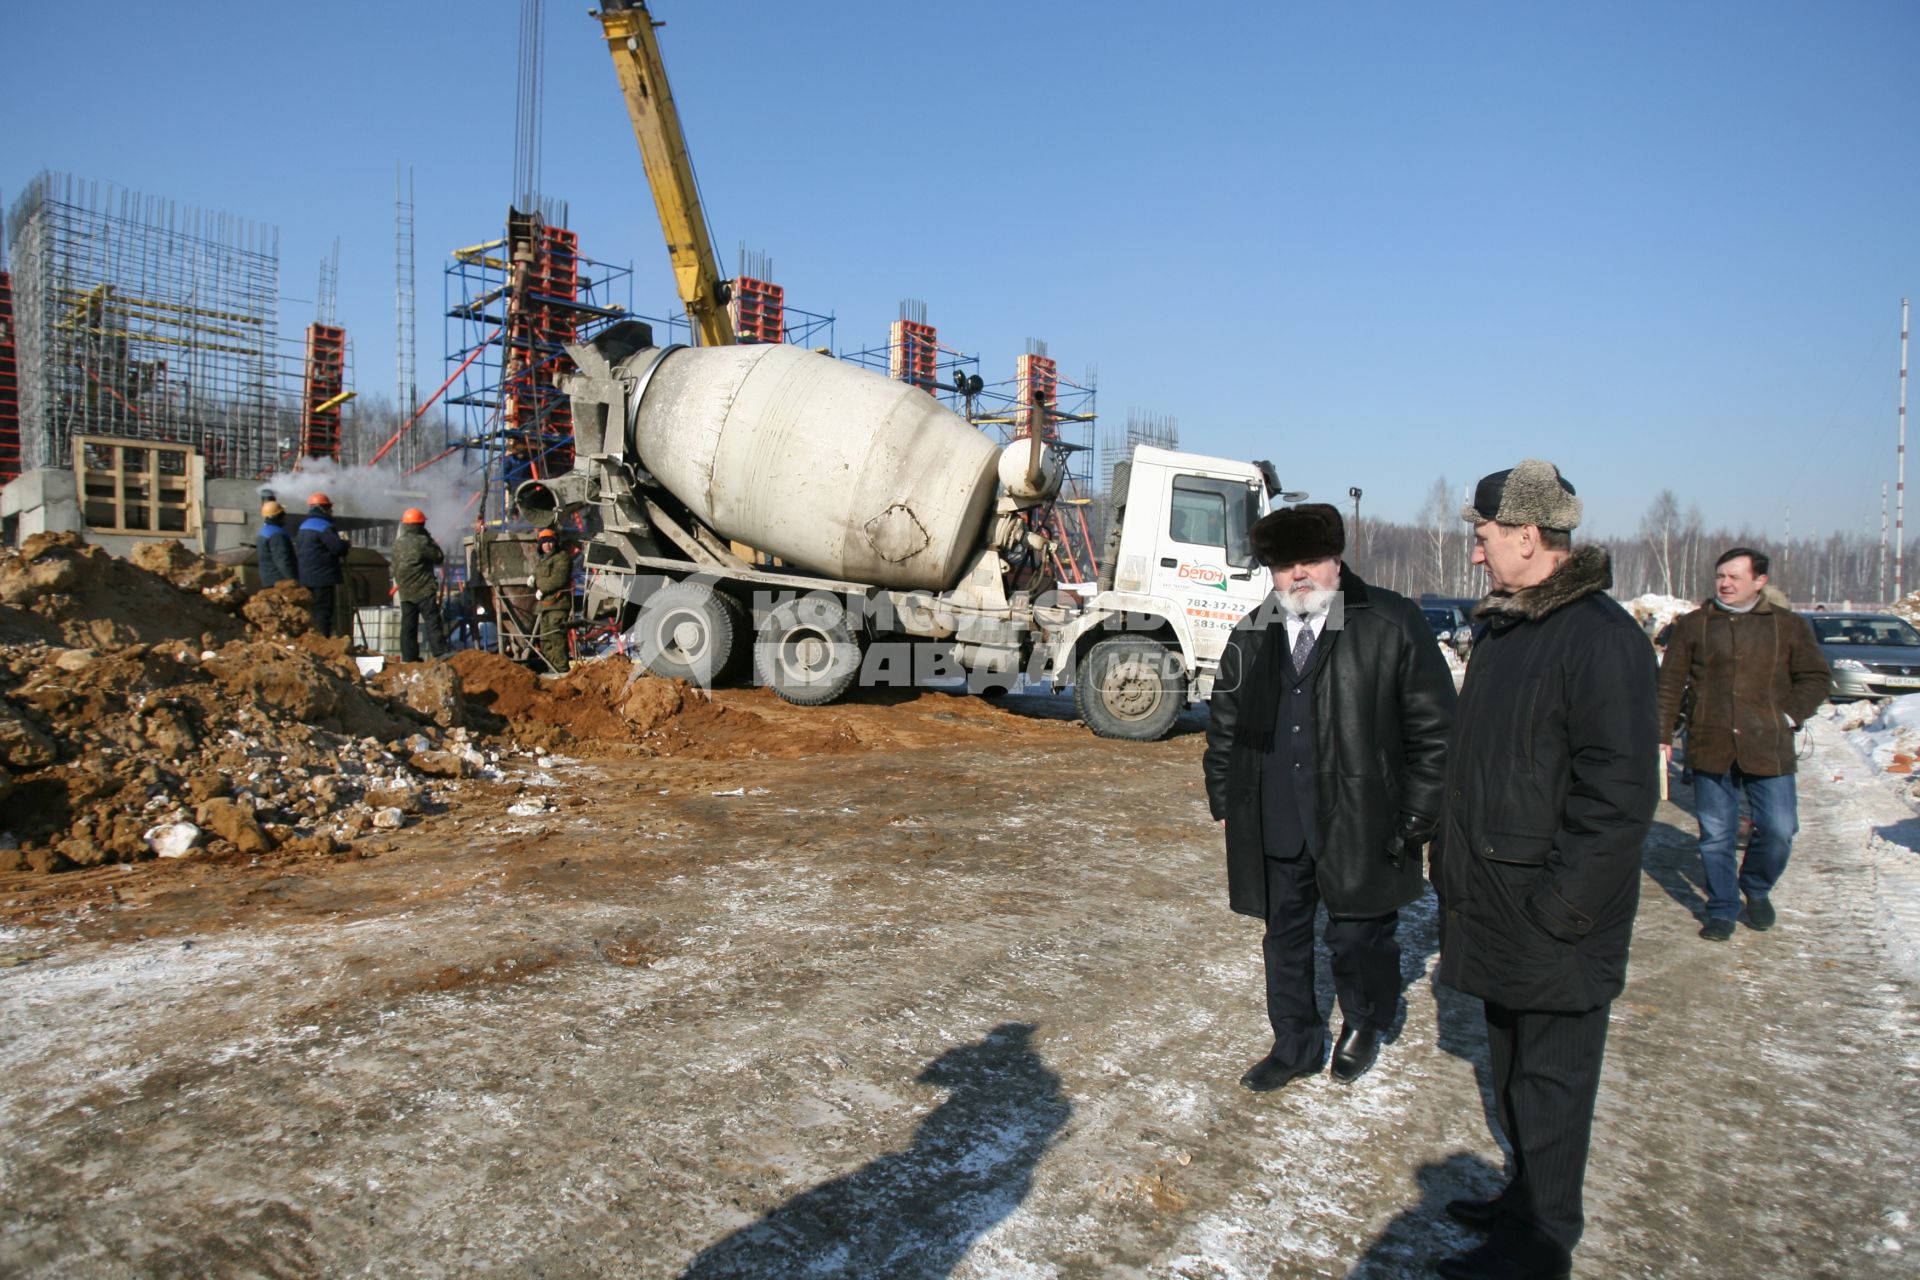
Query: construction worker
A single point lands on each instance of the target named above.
(416, 581)
(321, 555)
(553, 598)
(276, 545)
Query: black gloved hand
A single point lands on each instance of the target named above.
(1408, 839)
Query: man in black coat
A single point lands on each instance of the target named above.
(1328, 725)
(1551, 784)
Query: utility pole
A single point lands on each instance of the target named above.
(1900, 477)
(1354, 493)
(1883, 544)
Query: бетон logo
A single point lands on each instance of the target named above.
(1205, 575)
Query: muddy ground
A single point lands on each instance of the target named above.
(958, 996)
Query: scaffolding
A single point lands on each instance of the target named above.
(9, 385)
(513, 305)
(141, 319)
(1038, 400)
(406, 387)
(914, 354)
(760, 312)
(1160, 430)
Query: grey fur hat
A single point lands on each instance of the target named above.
(1532, 493)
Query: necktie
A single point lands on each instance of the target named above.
(1303, 647)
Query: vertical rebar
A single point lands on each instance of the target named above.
(140, 320)
(526, 138)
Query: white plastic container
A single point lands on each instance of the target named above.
(378, 628)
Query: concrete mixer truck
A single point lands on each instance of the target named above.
(833, 527)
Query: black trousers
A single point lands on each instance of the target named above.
(323, 609)
(417, 616)
(1366, 965)
(1546, 1073)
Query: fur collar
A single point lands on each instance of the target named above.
(1586, 571)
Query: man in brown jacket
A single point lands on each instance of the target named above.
(1747, 672)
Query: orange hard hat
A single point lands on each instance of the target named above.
(413, 515)
(318, 499)
(546, 535)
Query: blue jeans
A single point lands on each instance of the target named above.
(1716, 800)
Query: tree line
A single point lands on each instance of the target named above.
(1671, 553)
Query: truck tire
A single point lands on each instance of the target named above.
(687, 631)
(1130, 687)
(806, 651)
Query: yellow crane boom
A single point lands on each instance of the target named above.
(663, 153)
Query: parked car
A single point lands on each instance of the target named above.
(1872, 655)
(1451, 626)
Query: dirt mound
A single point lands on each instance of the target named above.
(283, 609)
(188, 570)
(616, 702)
(92, 599)
(257, 748)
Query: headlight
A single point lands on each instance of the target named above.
(1849, 664)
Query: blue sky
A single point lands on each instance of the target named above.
(1663, 245)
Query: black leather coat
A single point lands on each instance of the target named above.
(1551, 785)
(1382, 707)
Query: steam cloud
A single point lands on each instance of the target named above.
(446, 490)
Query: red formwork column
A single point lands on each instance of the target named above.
(326, 376)
(759, 311)
(1037, 380)
(913, 355)
(543, 319)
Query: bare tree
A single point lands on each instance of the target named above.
(1658, 528)
(1435, 520)
(1691, 531)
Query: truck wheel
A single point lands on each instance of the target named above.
(1130, 687)
(806, 651)
(686, 631)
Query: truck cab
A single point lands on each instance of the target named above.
(1178, 573)
(1187, 537)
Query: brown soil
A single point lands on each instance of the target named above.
(153, 699)
(80, 594)
(611, 706)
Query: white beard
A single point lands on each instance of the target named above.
(1309, 602)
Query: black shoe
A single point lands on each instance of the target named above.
(1354, 1052)
(1478, 1214)
(1760, 914)
(1491, 1263)
(1270, 1073)
(1717, 929)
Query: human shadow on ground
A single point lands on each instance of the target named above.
(1671, 859)
(1419, 937)
(916, 1212)
(1905, 833)
(1423, 1232)
(1460, 1028)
